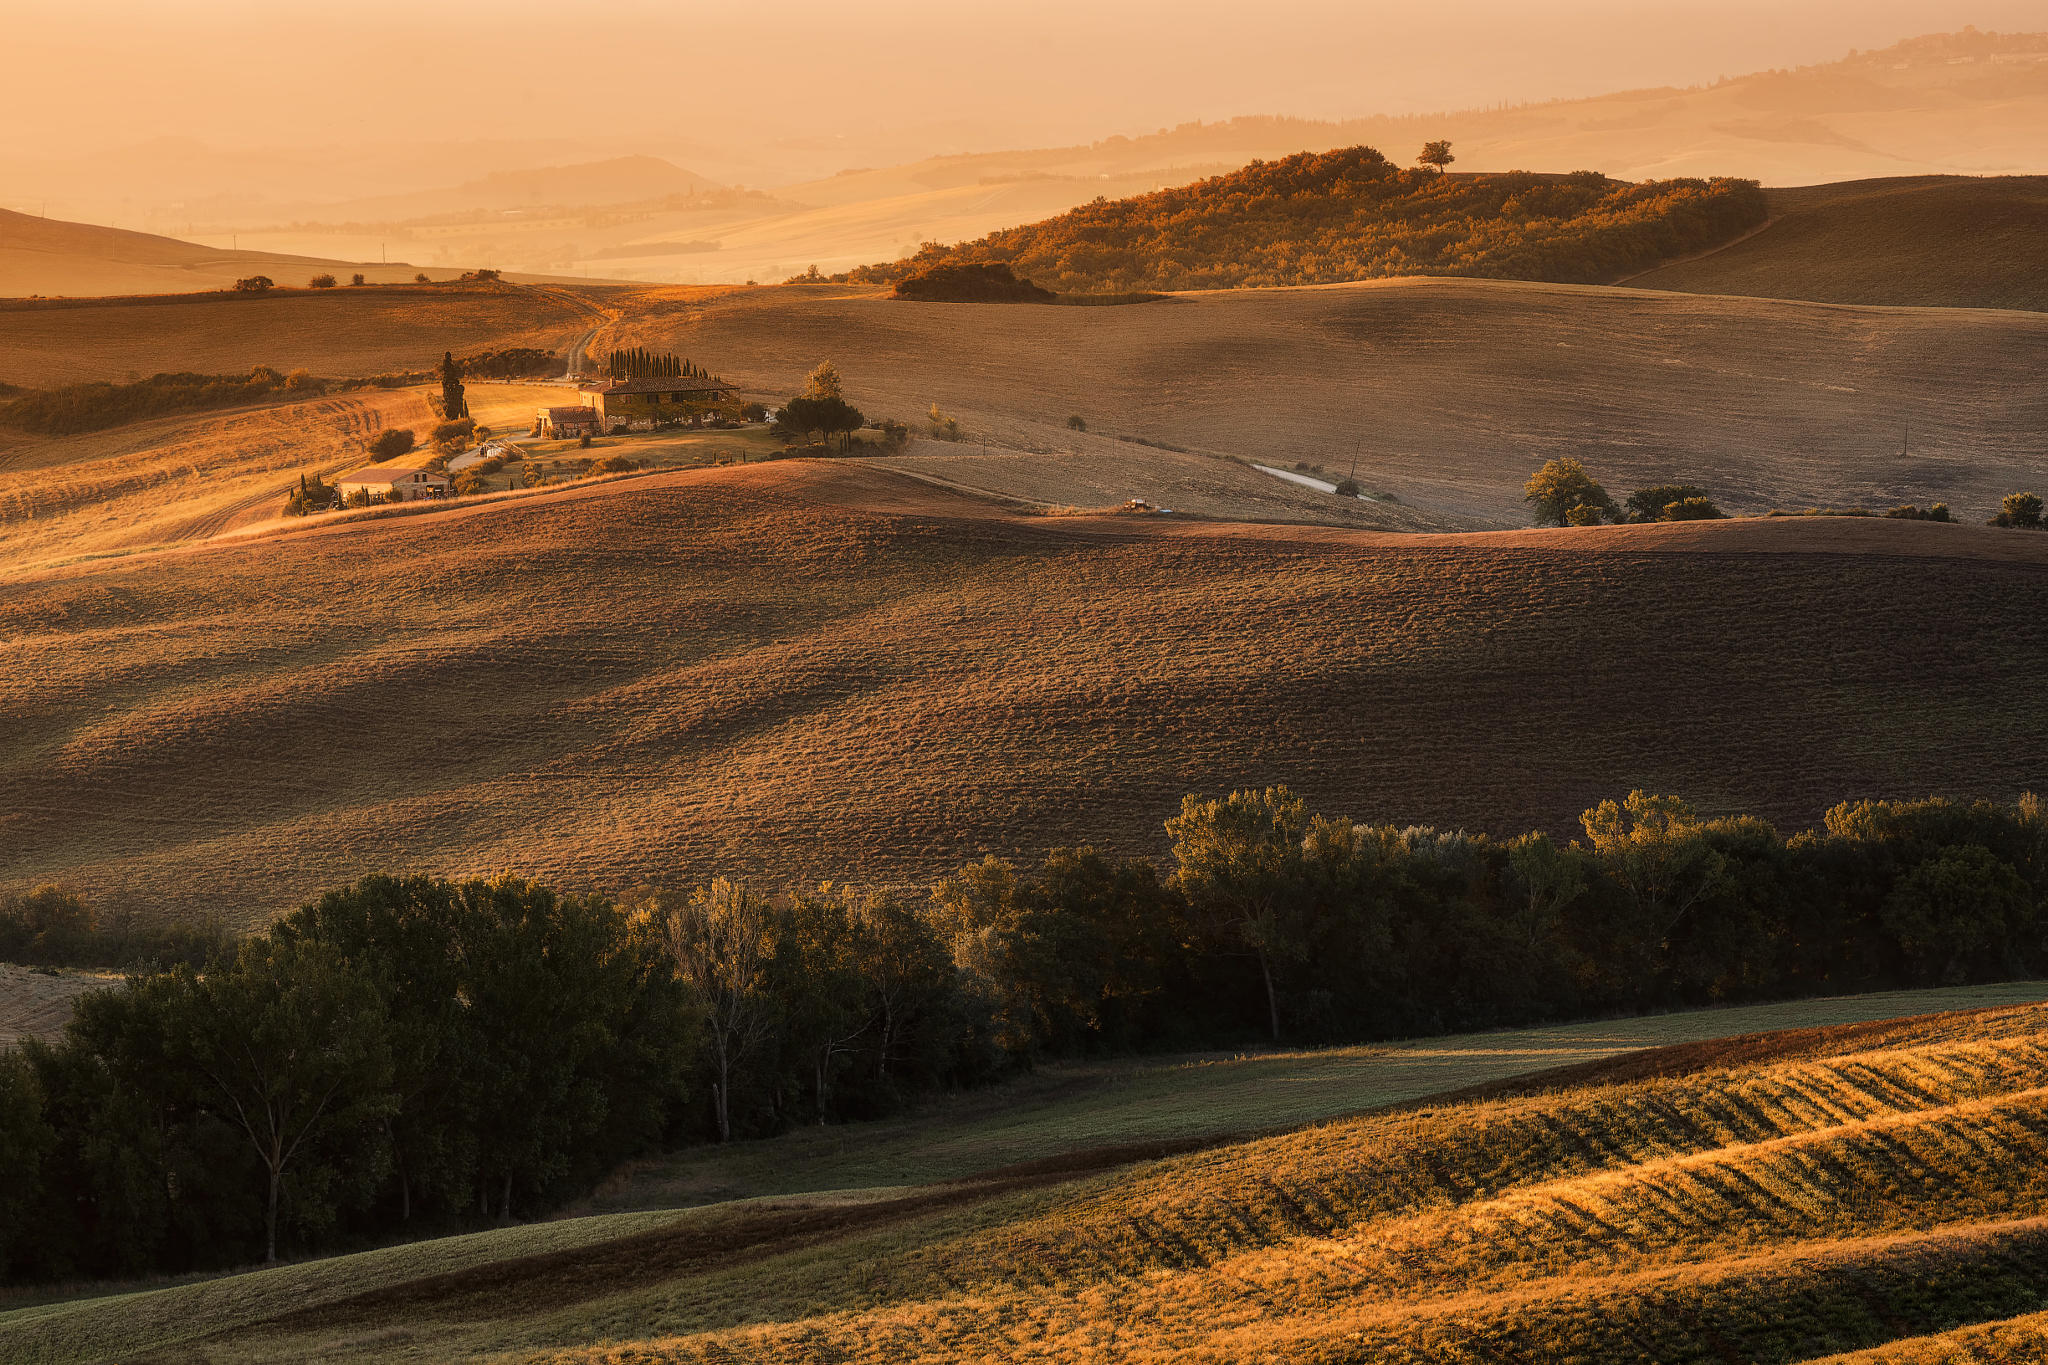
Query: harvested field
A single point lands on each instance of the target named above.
(336, 333)
(1830, 1190)
(182, 478)
(819, 669)
(38, 1003)
(1447, 393)
(1929, 241)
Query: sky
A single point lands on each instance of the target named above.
(869, 82)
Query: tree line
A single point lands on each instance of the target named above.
(414, 1054)
(1563, 493)
(1351, 214)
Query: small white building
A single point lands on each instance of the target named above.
(392, 483)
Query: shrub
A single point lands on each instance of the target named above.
(1648, 504)
(753, 412)
(1348, 488)
(321, 282)
(1076, 424)
(583, 441)
(1691, 509)
(421, 278)
(611, 464)
(895, 435)
(453, 436)
(2021, 511)
(1908, 512)
(1585, 514)
(970, 282)
(357, 278)
(393, 443)
(255, 284)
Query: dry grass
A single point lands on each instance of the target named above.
(1936, 241)
(816, 668)
(38, 1003)
(1839, 1189)
(1447, 393)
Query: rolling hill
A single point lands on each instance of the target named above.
(335, 333)
(1446, 393)
(1928, 241)
(820, 669)
(1351, 215)
(1868, 1184)
(43, 256)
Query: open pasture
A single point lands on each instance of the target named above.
(817, 669)
(1781, 1196)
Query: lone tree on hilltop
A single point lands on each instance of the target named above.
(1437, 154)
(1563, 487)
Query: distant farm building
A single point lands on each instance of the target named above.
(565, 423)
(392, 483)
(637, 404)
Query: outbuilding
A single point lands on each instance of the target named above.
(392, 483)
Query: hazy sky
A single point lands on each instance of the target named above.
(875, 78)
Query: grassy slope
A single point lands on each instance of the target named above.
(334, 332)
(1936, 241)
(1446, 392)
(820, 669)
(1513, 1218)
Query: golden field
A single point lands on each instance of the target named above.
(1852, 1181)
(816, 668)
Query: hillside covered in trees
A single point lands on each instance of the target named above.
(1353, 215)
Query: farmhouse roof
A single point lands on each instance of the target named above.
(664, 384)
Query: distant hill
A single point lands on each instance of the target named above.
(1352, 215)
(52, 257)
(1942, 241)
(617, 180)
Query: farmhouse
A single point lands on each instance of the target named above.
(641, 403)
(568, 422)
(392, 483)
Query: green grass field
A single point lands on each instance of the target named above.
(1541, 1208)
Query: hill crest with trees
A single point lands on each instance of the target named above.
(1351, 215)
